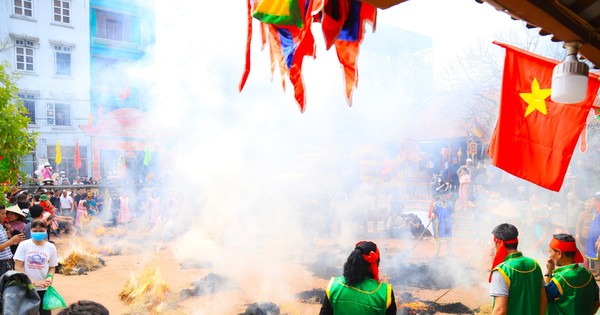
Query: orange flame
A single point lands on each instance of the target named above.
(146, 289)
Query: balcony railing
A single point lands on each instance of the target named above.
(104, 42)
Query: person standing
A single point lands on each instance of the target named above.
(516, 281)
(37, 258)
(452, 174)
(124, 216)
(441, 215)
(359, 290)
(6, 256)
(463, 191)
(570, 288)
(574, 208)
(66, 204)
(582, 231)
(592, 243)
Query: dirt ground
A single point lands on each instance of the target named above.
(104, 284)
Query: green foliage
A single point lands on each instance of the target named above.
(16, 141)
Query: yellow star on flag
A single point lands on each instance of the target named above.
(536, 99)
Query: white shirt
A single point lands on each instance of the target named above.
(37, 260)
(66, 202)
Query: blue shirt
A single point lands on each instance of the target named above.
(5, 253)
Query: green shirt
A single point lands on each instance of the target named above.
(523, 276)
(366, 297)
(572, 290)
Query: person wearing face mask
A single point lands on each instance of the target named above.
(359, 290)
(37, 258)
(570, 288)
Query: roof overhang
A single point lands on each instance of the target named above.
(565, 20)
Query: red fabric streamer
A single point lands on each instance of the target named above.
(501, 253)
(372, 259)
(248, 43)
(567, 247)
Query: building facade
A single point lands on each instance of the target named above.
(46, 44)
(71, 59)
(120, 34)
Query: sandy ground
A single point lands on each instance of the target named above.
(105, 284)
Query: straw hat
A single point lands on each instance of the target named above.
(17, 210)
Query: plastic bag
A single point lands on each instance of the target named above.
(53, 300)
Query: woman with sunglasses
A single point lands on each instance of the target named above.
(37, 258)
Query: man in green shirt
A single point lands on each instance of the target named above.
(570, 288)
(517, 285)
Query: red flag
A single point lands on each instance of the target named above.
(534, 137)
(77, 160)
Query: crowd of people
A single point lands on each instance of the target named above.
(29, 222)
(517, 283)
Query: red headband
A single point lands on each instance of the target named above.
(566, 247)
(372, 259)
(501, 252)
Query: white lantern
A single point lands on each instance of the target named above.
(570, 78)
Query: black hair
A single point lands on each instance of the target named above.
(38, 223)
(22, 197)
(36, 211)
(84, 307)
(356, 268)
(23, 204)
(505, 232)
(565, 238)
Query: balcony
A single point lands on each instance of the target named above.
(109, 43)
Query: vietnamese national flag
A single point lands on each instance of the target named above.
(534, 137)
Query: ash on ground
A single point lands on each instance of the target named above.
(327, 265)
(267, 308)
(208, 285)
(196, 265)
(424, 276)
(314, 296)
(404, 299)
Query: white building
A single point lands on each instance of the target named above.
(47, 44)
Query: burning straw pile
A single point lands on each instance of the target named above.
(146, 291)
(79, 260)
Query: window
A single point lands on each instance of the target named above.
(114, 26)
(58, 114)
(114, 29)
(62, 57)
(24, 53)
(62, 11)
(23, 7)
(29, 102)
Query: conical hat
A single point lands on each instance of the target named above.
(17, 210)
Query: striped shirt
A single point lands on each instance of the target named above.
(5, 253)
